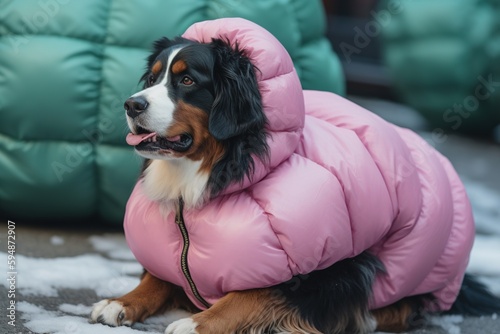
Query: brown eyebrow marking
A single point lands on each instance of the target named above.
(157, 67)
(179, 66)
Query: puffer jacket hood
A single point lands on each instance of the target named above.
(278, 83)
(340, 181)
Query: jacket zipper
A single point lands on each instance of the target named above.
(179, 220)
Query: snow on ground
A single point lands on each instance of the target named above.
(43, 277)
(486, 207)
(113, 245)
(40, 320)
(74, 319)
(484, 261)
(114, 272)
(111, 275)
(450, 323)
(57, 240)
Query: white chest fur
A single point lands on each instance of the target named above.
(166, 180)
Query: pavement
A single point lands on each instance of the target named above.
(475, 159)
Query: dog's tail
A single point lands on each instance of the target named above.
(475, 299)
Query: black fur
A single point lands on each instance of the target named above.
(329, 297)
(475, 299)
(237, 108)
(237, 118)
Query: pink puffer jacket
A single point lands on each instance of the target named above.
(340, 181)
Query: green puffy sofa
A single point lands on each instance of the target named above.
(67, 66)
(444, 59)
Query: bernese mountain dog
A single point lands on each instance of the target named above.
(187, 123)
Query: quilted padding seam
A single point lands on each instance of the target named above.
(302, 43)
(293, 12)
(205, 10)
(268, 215)
(93, 42)
(98, 112)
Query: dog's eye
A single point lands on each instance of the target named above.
(150, 80)
(187, 81)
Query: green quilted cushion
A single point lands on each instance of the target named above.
(441, 55)
(67, 66)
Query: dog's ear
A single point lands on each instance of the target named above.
(237, 107)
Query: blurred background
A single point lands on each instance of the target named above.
(67, 66)
(439, 57)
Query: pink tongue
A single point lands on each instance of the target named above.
(134, 140)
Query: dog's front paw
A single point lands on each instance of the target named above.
(110, 312)
(183, 326)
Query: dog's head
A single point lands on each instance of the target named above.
(200, 102)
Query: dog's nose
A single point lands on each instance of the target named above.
(135, 105)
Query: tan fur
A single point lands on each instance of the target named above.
(251, 311)
(153, 296)
(179, 66)
(157, 67)
(396, 317)
(193, 120)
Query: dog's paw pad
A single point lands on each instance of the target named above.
(183, 326)
(111, 313)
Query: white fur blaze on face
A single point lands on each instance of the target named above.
(159, 115)
(167, 180)
(183, 326)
